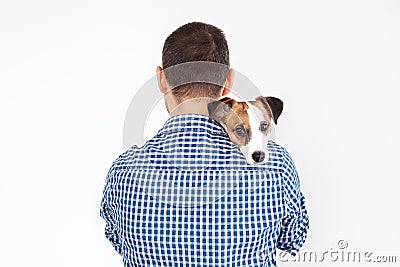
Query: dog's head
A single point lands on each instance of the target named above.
(248, 124)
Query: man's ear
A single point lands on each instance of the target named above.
(275, 105)
(228, 83)
(217, 110)
(162, 81)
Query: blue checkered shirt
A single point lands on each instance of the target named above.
(188, 197)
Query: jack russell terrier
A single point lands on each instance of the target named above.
(248, 124)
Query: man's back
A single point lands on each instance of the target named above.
(189, 198)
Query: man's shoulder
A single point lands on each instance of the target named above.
(275, 147)
(126, 158)
(135, 154)
(277, 151)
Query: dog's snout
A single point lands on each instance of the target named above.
(258, 156)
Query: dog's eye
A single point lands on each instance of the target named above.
(264, 127)
(240, 131)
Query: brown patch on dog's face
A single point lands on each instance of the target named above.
(233, 115)
(266, 112)
(237, 124)
(273, 105)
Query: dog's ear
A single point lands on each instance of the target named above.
(275, 105)
(217, 110)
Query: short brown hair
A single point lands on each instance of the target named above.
(195, 41)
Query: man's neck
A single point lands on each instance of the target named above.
(192, 106)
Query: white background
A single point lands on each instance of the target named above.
(69, 69)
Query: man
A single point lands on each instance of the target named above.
(155, 203)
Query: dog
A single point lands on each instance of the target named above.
(248, 124)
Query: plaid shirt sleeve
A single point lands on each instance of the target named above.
(107, 214)
(296, 222)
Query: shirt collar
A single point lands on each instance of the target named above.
(192, 123)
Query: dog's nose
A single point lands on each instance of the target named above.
(258, 156)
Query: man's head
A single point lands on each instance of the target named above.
(194, 42)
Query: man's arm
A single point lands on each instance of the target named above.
(296, 222)
(107, 214)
